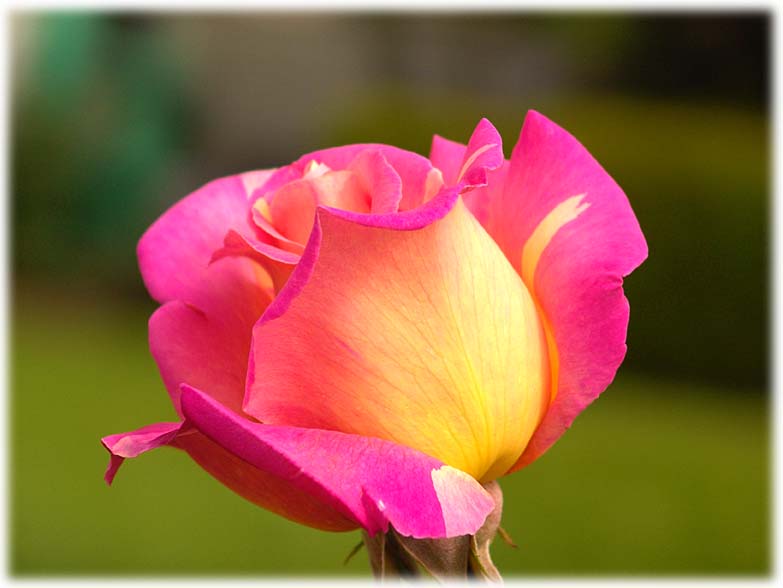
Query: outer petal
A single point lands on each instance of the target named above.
(257, 486)
(448, 157)
(484, 153)
(569, 230)
(368, 480)
(261, 487)
(479, 201)
(410, 327)
(175, 251)
(478, 167)
(279, 178)
(203, 334)
(209, 347)
(254, 180)
(124, 445)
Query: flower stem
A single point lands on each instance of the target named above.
(395, 556)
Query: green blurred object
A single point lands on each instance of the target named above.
(654, 478)
(96, 128)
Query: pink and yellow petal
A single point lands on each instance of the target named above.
(292, 210)
(278, 263)
(379, 179)
(261, 213)
(292, 207)
(367, 480)
(341, 189)
(410, 327)
(418, 178)
(276, 180)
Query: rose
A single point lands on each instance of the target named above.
(364, 337)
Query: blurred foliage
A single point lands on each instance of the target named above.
(655, 478)
(97, 127)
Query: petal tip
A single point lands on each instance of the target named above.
(115, 461)
(465, 504)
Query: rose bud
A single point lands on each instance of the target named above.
(366, 337)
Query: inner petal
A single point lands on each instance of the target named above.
(290, 211)
(428, 338)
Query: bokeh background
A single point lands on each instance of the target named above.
(117, 116)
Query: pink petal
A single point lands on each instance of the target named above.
(216, 305)
(448, 156)
(468, 165)
(208, 344)
(209, 347)
(570, 231)
(124, 445)
(262, 488)
(484, 153)
(374, 482)
(175, 251)
(254, 180)
(279, 178)
(479, 167)
(480, 199)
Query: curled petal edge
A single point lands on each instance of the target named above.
(409, 220)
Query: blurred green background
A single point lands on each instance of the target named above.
(117, 116)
